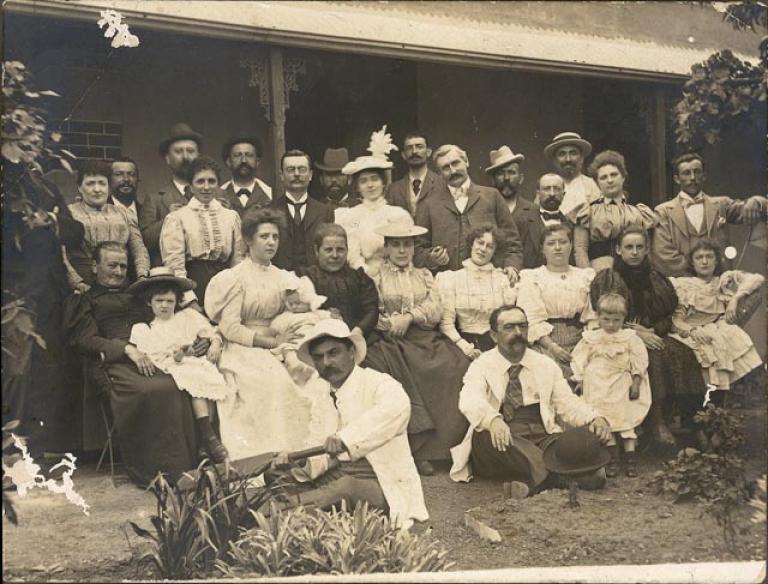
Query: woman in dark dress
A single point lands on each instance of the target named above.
(674, 373)
(350, 291)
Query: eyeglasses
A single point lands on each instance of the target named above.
(300, 170)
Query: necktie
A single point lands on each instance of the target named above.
(697, 200)
(296, 211)
(243, 193)
(513, 397)
(416, 186)
(552, 216)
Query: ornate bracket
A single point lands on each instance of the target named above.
(259, 71)
(292, 68)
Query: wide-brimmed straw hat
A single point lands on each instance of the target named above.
(502, 157)
(337, 329)
(334, 159)
(575, 451)
(180, 131)
(401, 229)
(362, 163)
(158, 275)
(568, 139)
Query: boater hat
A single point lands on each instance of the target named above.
(337, 329)
(568, 139)
(334, 160)
(180, 131)
(157, 275)
(502, 157)
(575, 451)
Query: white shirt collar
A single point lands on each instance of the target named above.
(195, 204)
(350, 382)
(472, 266)
(503, 364)
(117, 203)
(686, 197)
(302, 199)
(464, 186)
(421, 175)
(236, 187)
(179, 186)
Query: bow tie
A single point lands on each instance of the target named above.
(552, 215)
(697, 200)
(242, 192)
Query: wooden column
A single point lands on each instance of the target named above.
(277, 102)
(658, 146)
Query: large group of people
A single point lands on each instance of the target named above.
(401, 323)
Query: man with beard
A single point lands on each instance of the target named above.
(512, 398)
(242, 155)
(335, 185)
(303, 213)
(123, 183)
(450, 213)
(178, 150)
(415, 187)
(567, 152)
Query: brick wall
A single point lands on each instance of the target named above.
(92, 139)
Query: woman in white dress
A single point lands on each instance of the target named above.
(366, 247)
(268, 411)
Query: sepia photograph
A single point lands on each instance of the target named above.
(384, 290)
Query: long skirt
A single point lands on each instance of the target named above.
(154, 423)
(483, 342)
(674, 371)
(567, 334)
(201, 272)
(431, 369)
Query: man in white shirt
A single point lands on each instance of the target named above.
(568, 152)
(693, 215)
(242, 155)
(512, 397)
(123, 183)
(364, 418)
(420, 182)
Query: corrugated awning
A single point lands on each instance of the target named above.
(382, 29)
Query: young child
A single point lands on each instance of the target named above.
(301, 313)
(167, 340)
(610, 363)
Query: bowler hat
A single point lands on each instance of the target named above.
(334, 159)
(180, 131)
(575, 451)
(568, 139)
(157, 275)
(337, 329)
(502, 157)
(242, 139)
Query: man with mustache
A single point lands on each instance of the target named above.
(451, 212)
(567, 152)
(410, 191)
(242, 155)
(303, 213)
(512, 397)
(334, 184)
(123, 184)
(178, 150)
(693, 215)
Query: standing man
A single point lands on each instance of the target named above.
(415, 187)
(303, 213)
(242, 155)
(507, 177)
(454, 209)
(335, 185)
(567, 152)
(123, 184)
(512, 398)
(178, 150)
(693, 215)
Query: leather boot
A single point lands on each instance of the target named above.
(612, 468)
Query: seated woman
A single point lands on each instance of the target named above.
(651, 299)
(555, 297)
(268, 411)
(202, 238)
(366, 246)
(102, 221)
(471, 294)
(348, 290)
(599, 224)
(708, 313)
(407, 347)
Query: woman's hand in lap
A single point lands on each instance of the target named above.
(700, 336)
(732, 311)
(399, 324)
(290, 335)
(214, 352)
(651, 339)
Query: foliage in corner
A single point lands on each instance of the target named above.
(724, 87)
(723, 429)
(304, 541)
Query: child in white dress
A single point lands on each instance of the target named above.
(610, 363)
(301, 313)
(168, 339)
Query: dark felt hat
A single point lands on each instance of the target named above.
(575, 451)
(334, 159)
(242, 139)
(180, 131)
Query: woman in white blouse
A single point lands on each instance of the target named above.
(555, 297)
(471, 294)
(202, 238)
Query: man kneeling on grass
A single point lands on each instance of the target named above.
(371, 461)
(512, 396)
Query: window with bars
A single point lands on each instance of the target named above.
(91, 139)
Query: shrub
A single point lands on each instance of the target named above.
(309, 541)
(724, 430)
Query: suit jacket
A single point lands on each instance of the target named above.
(397, 192)
(530, 226)
(151, 215)
(257, 199)
(315, 214)
(675, 236)
(449, 228)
